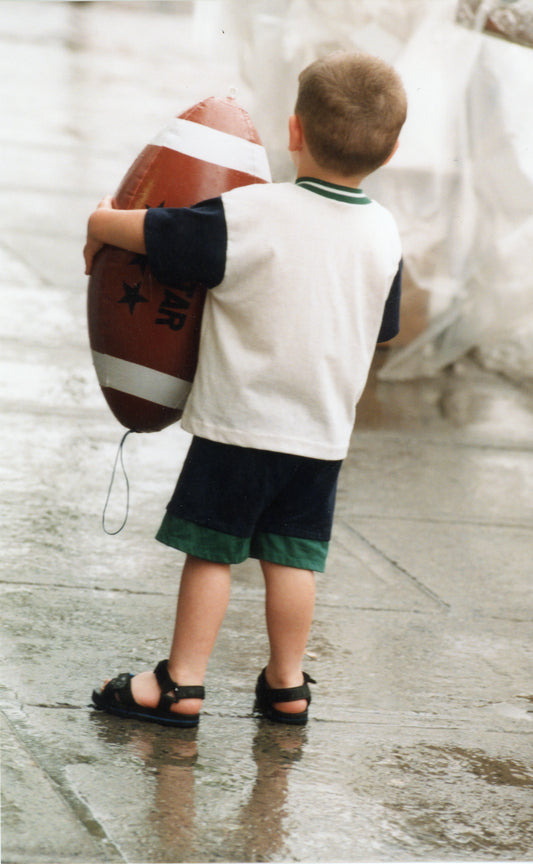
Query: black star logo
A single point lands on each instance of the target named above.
(132, 295)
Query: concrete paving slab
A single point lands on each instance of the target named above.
(249, 821)
(373, 576)
(483, 567)
(238, 791)
(449, 480)
(419, 697)
(42, 827)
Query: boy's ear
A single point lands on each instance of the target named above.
(296, 133)
(393, 151)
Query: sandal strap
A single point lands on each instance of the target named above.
(118, 690)
(172, 692)
(289, 694)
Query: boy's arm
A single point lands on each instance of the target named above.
(122, 228)
(390, 324)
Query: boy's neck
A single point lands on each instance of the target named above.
(307, 167)
(331, 177)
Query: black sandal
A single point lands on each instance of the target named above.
(265, 696)
(116, 698)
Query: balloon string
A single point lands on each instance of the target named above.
(121, 456)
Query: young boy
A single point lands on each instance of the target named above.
(304, 279)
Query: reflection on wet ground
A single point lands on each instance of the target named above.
(463, 397)
(173, 812)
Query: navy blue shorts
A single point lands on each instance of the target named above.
(233, 503)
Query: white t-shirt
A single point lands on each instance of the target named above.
(289, 331)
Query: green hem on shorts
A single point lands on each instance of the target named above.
(223, 548)
(202, 542)
(290, 551)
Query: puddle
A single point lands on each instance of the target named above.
(441, 801)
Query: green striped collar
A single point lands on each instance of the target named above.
(346, 194)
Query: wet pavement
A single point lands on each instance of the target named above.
(420, 742)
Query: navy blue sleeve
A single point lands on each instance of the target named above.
(390, 323)
(187, 244)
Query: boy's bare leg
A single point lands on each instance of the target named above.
(202, 602)
(290, 603)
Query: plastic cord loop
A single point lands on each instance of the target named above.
(119, 454)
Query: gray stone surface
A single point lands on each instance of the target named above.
(419, 745)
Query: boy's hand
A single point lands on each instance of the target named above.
(93, 245)
(121, 228)
(106, 203)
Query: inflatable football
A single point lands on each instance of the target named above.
(144, 335)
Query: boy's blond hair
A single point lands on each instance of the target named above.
(352, 107)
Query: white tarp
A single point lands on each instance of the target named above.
(461, 184)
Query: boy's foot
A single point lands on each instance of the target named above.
(294, 707)
(283, 704)
(151, 696)
(146, 692)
